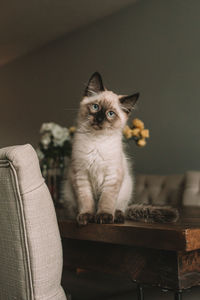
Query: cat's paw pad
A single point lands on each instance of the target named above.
(84, 219)
(119, 216)
(104, 218)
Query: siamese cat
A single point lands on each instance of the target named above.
(100, 185)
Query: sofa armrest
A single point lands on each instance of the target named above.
(191, 194)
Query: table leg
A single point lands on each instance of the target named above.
(140, 294)
(178, 295)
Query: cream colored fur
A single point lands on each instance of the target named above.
(99, 179)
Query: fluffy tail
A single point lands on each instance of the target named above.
(152, 214)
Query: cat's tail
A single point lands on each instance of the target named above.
(152, 214)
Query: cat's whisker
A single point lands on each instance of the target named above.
(83, 132)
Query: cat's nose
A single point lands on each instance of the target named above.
(99, 119)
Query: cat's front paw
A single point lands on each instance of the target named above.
(104, 218)
(85, 218)
(119, 216)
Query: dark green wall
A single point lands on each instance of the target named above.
(152, 47)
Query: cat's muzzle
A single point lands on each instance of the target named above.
(97, 126)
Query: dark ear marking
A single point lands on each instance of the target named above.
(95, 85)
(128, 102)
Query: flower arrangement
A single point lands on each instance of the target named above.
(54, 148)
(55, 141)
(137, 132)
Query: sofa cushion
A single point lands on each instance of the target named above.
(159, 189)
(191, 195)
(30, 246)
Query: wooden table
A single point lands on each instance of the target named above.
(164, 255)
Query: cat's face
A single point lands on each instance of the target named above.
(102, 110)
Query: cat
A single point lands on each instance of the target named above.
(99, 186)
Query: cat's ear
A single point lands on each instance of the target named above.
(128, 102)
(95, 85)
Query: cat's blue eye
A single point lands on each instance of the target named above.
(111, 114)
(95, 107)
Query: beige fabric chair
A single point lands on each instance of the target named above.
(30, 245)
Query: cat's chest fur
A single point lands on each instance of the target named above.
(97, 156)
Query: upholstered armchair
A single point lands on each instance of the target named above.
(30, 245)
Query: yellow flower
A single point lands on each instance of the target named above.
(141, 142)
(138, 123)
(135, 131)
(145, 133)
(127, 132)
(72, 129)
(126, 128)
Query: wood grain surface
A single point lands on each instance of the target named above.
(181, 236)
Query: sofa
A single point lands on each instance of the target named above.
(173, 190)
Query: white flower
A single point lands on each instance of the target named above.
(60, 134)
(47, 127)
(60, 141)
(66, 135)
(39, 154)
(46, 139)
(57, 131)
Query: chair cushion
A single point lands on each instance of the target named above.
(30, 245)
